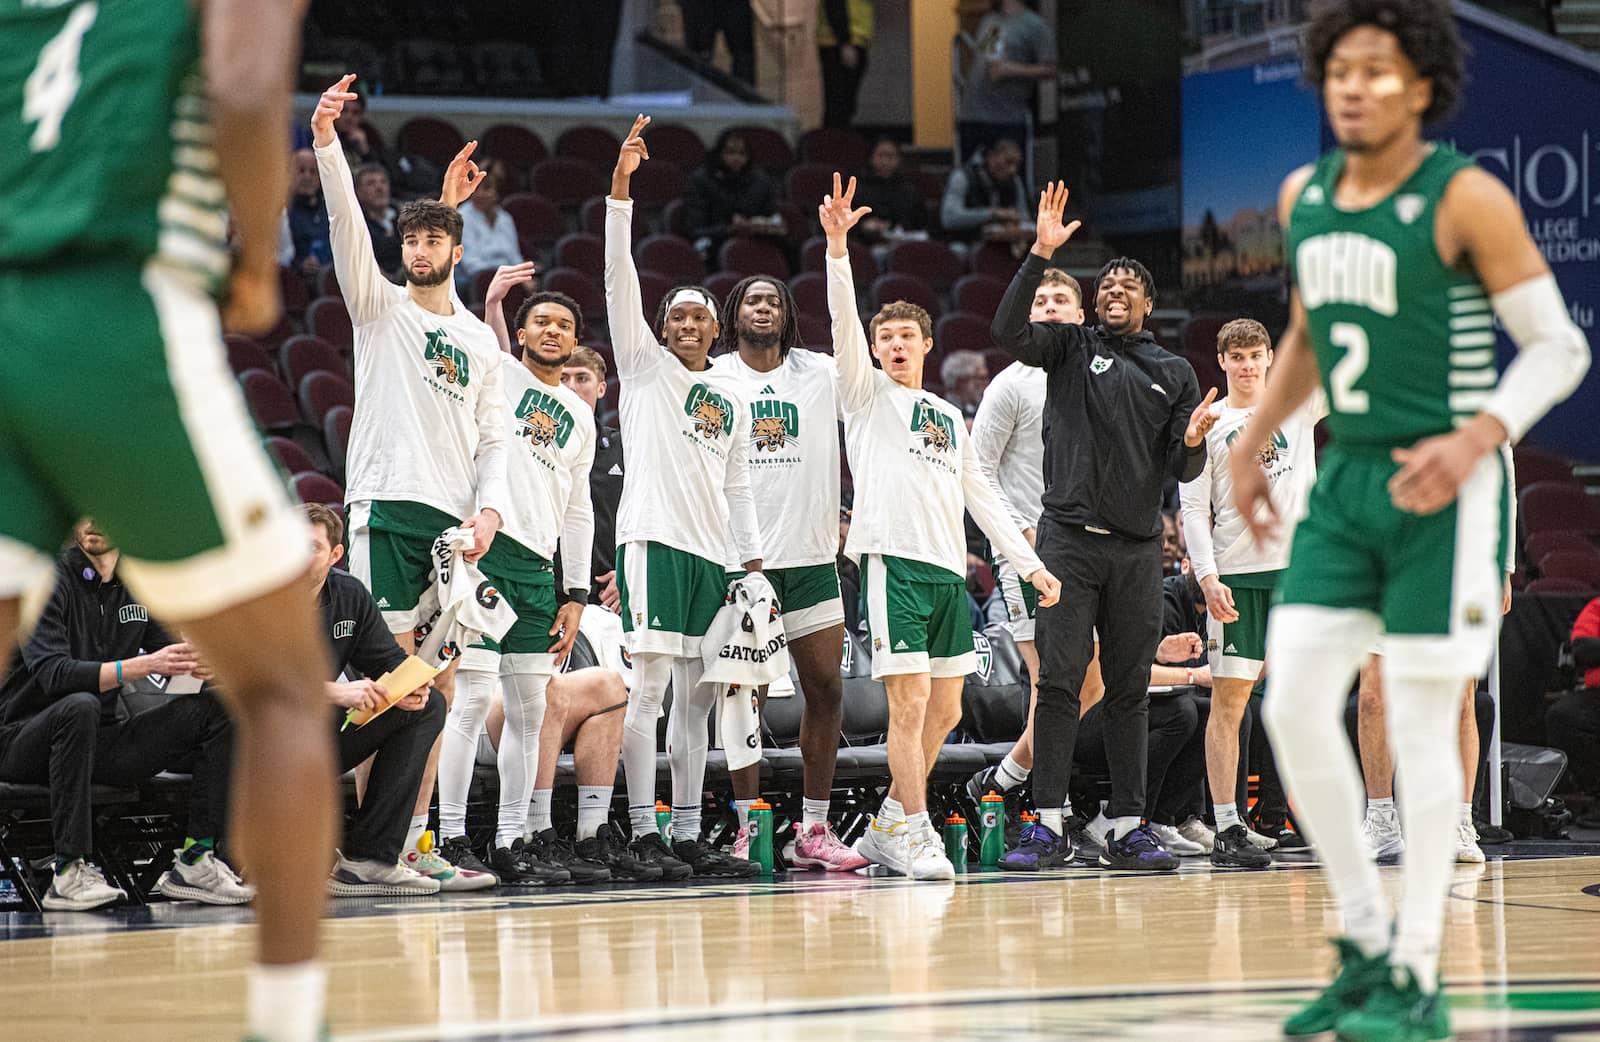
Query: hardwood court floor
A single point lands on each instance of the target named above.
(1072, 955)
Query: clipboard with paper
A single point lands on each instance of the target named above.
(399, 682)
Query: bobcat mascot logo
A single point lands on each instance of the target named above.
(709, 418)
(934, 436)
(539, 427)
(769, 433)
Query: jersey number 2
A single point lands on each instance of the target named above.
(54, 81)
(1350, 368)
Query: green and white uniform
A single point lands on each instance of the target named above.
(118, 402)
(428, 440)
(794, 478)
(1405, 346)
(551, 438)
(688, 489)
(1220, 544)
(1008, 433)
(915, 471)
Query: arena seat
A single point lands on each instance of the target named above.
(928, 259)
(895, 286)
(582, 288)
(653, 289)
(768, 148)
(1558, 585)
(1552, 539)
(567, 182)
(538, 220)
(1557, 504)
(959, 331)
(307, 353)
(669, 255)
(657, 183)
(674, 143)
(245, 353)
(435, 140)
(721, 283)
(591, 144)
(312, 487)
(810, 292)
(320, 391)
(269, 400)
(863, 265)
(994, 259)
(328, 284)
(808, 182)
(1534, 464)
(514, 143)
(747, 255)
(329, 318)
(1582, 565)
(838, 148)
(290, 456)
(592, 219)
(584, 251)
(816, 329)
(292, 286)
(978, 294)
(336, 437)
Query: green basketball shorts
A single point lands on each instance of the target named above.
(1021, 600)
(669, 597)
(528, 583)
(808, 594)
(1236, 650)
(391, 551)
(917, 617)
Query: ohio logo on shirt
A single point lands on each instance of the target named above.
(1270, 456)
(543, 420)
(711, 412)
(773, 424)
(449, 362)
(937, 431)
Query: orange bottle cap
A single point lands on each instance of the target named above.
(993, 796)
(661, 806)
(955, 819)
(760, 804)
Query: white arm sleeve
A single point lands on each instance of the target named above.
(577, 529)
(1552, 355)
(1195, 499)
(992, 430)
(494, 489)
(1511, 506)
(634, 343)
(852, 358)
(367, 294)
(988, 508)
(743, 526)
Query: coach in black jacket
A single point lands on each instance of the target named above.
(1121, 416)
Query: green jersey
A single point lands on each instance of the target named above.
(1404, 342)
(107, 139)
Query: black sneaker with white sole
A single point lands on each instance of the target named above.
(459, 853)
(548, 846)
(606, 847)
(651, 849)
(713, 864)
(516, 867)
(1233, 849)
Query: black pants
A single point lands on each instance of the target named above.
(703, 19)
(68, 748)
(401, 739)
(840, 86)
(1177, 761)
(1115, 584)
(1573, 725)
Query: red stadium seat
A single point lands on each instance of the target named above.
(929, 260)
(1558, 585)
(657, 183)
(321, 391)
(312, 487)
(305, 354)
(1548, 541)
(592, 219)
(568, 182)
(328, 318)
(808, 183)
(896, 286)
(995, 258)
(1583, 565)
(745, 255)
(1534, 464)
(810, 292)
(245, 353)
(653, 288)
(270, 402)
(676, 144)
(290, 456)
(768, 148)
(959, 331)
(583, 251)
(979, 294)
(840, 148)
(721, 283)
(292, 285)
(328, 284)
(538, 220)
(514, 143)
(1557, 504)
(336, 437)
(581, 288)
(1200, 334)
(669, 255)
(595, 145)
(435, 140)
(816, 330)
(813, 257)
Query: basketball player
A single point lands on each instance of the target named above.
(1237, 574)
(794, 477)
(1402, 253)
(915, 470)
(428, 442)
(687, 494)
(551, 431)
(1008, 436)
(132, 131)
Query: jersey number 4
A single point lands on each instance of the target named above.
(54, 81)
(1342, 379)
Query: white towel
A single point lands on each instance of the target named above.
(460, 605)
(744, 648)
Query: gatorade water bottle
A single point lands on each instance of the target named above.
(955, 841)
(664, 821)
(761, 835)
(991, 829)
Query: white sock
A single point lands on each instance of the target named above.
(651, 675)
(594, 808)
(1322, 649)
(742, 808)
(1010, 774)
(891, 811)
(518, 759)
(1424, 718)
(458, 751)
(1383, 808)
(1120, 827)
(1466, 813)
(686, 823)
(1066, 807)
(419, 825)
(286, 1002)
(813, 812)
(918, 822)
(1051, 819)
(539, 811)
(1227, 816)
(642, 820)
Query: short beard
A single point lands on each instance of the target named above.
(534, 359)
(763, 341)
(437, 278)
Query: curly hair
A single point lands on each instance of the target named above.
(1132, 267)
(1427, 33)
(788, 332)
(429, 215)
(547, 296)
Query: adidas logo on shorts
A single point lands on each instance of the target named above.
(383, 602)
(1230, 650)
(899, 645)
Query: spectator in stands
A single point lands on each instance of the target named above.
(488, 235)
(703, 19)
(60, 726)
(397, 741)
(964, 374)
(372, 192)
(730, 195)
(1572, 722)
(898, 209)
(844, 33)
(1173, 550)
(308, 215)
(361, 144)
(585, 374)
(1015, 50)
(986, 199)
